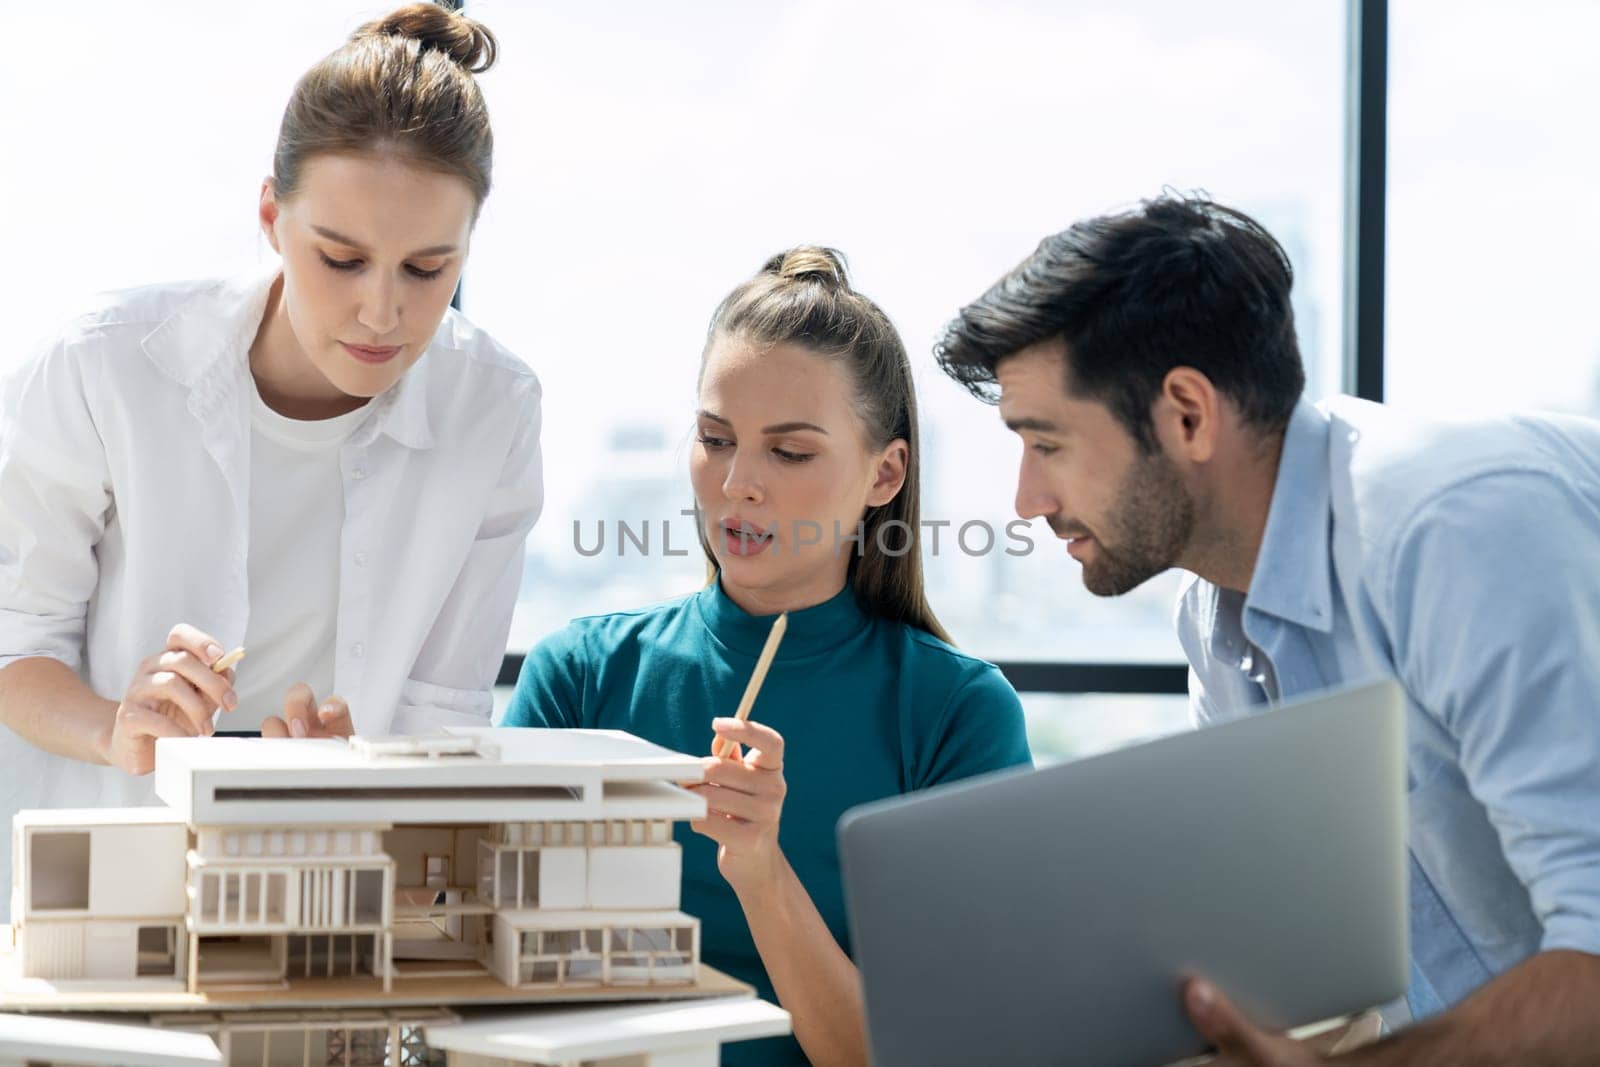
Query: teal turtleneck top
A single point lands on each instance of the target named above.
(868, 709)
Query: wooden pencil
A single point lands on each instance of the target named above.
(228, 660)
(759, 675)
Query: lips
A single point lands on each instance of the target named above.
(743, 538)
(371, 353)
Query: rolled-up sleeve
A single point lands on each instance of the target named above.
(452, 681)
(1495, 590)
(55, 496)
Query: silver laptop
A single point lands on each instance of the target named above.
(1050, 916)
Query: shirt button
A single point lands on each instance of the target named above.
(358, 650)
(361, 559)
(358, 473)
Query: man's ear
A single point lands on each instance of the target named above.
(1187, 415)
(891, 473)
(267, 214)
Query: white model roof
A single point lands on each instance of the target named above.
(513, 775)
(66, 1039)
(83, 818)
(553, 1036)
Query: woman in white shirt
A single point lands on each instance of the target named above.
(326, 464)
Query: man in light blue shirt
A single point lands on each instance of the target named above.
(1149, 363)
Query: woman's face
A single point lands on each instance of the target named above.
(372, 247)
(781, 461)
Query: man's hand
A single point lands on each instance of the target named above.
(1239, 1044)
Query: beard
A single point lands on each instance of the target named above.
(1147, 533)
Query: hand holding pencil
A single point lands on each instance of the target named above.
(173, 693)
(744, 793)
(719, 745)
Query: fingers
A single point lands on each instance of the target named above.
(300, 710)
(737, 790)
(1236, 1039)
(198, 643)
(334, 718)
(741, 776)
(711, 812)
(273, 726)
(179, 681)
(136, 720)
(765, 744)
(216, 688)
(763, 808)
(303, 718)
(169, 693)
(737, 837)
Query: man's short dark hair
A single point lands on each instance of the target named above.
(1179, 281)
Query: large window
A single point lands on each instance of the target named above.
(1493, 219)
(650, 157)
(644, 172)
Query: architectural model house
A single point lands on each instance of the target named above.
(344, 897)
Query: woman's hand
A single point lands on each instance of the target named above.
(174, 693)
(744, 797)
(302, 718)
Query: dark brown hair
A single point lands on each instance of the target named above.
(803, 297)
(1178, 281)
(402, 84)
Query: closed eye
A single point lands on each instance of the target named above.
(339, 264)
(792, 457)
(713, 443)
(355, 264)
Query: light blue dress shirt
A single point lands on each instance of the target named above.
(1462, 558)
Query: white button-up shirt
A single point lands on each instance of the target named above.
(124, 489)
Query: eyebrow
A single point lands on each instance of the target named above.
(1036, 425)
(780, 427)
(333, 235)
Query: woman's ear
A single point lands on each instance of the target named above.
(267, 214)
(891, 473)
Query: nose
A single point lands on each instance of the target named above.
(380, 304)
(1034, 498)
(742, 482)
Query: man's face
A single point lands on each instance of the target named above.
(1125, 514)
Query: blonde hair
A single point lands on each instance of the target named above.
(804, 297)
(402, 84)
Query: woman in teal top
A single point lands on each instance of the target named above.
(805, 476)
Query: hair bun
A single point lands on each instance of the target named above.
(464, 40)
(810, 263)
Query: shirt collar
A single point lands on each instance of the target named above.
(1293, 573)
(205, 346)
(219, 321)
(402, 410)
(810, 630)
